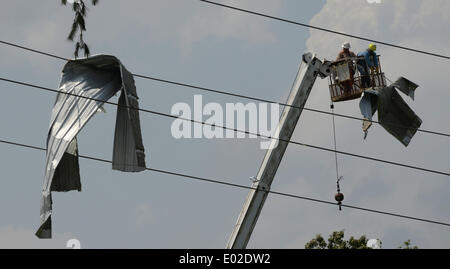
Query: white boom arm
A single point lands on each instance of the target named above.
(309, 69)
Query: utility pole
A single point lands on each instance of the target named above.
(309, 69)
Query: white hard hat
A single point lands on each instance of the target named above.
(346, 45)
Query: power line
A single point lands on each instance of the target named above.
(33, 50)
(235, 129)
(172, 82)
(326, 30)
(225, 183)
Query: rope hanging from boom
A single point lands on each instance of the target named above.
(339, 197)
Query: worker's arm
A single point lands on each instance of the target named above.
(375, 61)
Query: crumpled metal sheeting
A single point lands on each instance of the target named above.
(128, 145)
(99, 78)
(368, 107)
(406, 86)
(67, 173)
(394, 114)
(369, 104)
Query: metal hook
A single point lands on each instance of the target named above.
(339, 197)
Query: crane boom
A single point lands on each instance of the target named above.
(309, 69)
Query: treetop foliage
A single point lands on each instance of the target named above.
(336, 241)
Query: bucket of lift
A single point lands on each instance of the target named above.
(347, 83)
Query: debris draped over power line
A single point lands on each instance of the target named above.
(351, 77)
(394, 114)
(96, 78)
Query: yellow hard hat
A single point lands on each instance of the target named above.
(373, 47)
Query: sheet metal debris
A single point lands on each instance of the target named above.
(99, 77)
(394, 114)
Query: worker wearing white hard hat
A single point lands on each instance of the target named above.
(345, 53)
(346, 45)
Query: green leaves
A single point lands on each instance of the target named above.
(83, 46)
(316, 243)
(408, 245)
(337, 241)
(79, 25)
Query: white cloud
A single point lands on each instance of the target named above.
(419, 22)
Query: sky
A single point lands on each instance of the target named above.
(192, 42)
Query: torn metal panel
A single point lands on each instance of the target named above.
(406, 86)
(368, 104)
(67, 173)
(394, 114)
(368, 107)
(100, 78)
(128, 145)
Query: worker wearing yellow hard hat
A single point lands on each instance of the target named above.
(368, 61)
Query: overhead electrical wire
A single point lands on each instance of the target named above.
(33, 50)
(236, 130)
(225, 183)
(181, 84)
(325, 29)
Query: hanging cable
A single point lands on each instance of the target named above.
(334, 140)
(339, 197)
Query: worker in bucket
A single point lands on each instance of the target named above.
(368, 62)
(346, 54)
